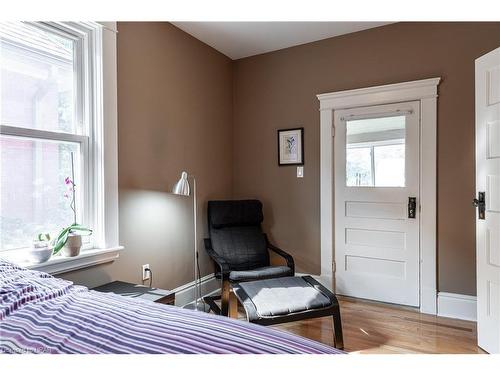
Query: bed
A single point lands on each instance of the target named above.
(43, 314)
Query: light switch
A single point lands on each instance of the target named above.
(300, 172)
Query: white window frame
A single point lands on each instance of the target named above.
(94, 53)
(371, 146)
(83, 142)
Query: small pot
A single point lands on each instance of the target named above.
(40, 254)
(72, 246)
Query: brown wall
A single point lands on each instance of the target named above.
(182, 105)
(278, 90)
(174, 114)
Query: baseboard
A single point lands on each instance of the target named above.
(457, 306)
(185, 293)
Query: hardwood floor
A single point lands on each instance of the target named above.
(371, 327)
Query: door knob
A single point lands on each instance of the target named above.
(480, 203)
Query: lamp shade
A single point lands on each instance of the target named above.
(182, 186)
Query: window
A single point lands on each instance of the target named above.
(48, 115)
(375, 152)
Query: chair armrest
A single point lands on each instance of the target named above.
(219, 261)
(289, 259)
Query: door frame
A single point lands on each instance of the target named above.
(424, 91)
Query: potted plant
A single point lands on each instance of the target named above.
(69, 239)
(41, 250)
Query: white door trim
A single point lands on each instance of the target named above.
(426, 92)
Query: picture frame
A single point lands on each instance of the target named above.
(291, 146)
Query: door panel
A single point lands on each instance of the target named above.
(488, 181)
(375, 238)
(376, 154)
(375, 210)
(376, 266)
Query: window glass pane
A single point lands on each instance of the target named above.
(375, 152)
(359, 166)
(33, 194)
(37, 79)
(390, 165)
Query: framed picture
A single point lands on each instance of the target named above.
(291, 146)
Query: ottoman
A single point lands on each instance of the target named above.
(288, 299)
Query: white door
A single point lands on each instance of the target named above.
(376, 152)
(488, 191)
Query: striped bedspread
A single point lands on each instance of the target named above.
(43, 314)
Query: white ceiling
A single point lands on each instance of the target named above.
(242, 39)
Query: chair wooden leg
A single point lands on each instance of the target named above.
(233, 306)
(337, 328)
(226, 290)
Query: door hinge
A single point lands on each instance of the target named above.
(333, 130)
(334, 266)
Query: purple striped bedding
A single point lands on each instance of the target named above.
(43, 314)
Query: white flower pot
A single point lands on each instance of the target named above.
(72, 246)
(40, 254)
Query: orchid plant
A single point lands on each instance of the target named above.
(75, 228)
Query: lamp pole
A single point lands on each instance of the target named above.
(182, 187)
(196, 275)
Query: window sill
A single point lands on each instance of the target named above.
(87, 258)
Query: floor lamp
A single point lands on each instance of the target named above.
(182, 187)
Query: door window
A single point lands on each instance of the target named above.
(375, 152)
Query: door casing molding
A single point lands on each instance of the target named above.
(424, 91)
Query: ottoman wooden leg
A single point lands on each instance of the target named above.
(233, 306)
(226, 290)
(337, 328)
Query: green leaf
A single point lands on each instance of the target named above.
(77, 228)
(62, 233)
(61, 242)
(61, 239)
(80, 227)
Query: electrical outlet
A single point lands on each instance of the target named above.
(145, 274)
